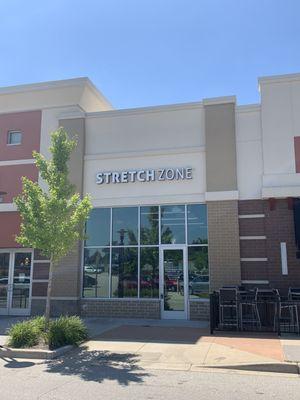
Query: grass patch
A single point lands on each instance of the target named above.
(60, 332)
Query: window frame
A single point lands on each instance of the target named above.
(9, 133)
(139, 246)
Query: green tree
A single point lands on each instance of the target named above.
(53, 220)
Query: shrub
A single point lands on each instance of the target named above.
(60, 332)
(66, 330)
(27, 333)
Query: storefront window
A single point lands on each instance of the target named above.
(173, 224)
(125, 226)
(197, 224)
(98, 228)
(198, 272)
(128, 265)
(96, 272)
(149, 217)
(124, 272)
(149, 277)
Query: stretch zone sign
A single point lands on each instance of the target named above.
(144, 175)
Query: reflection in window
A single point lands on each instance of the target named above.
(173, 280)
(197, 224)
(111, 267)
(98, 227)
(21, 280)
(172, 224)
(125, 226)
(14, 137)
(96, 273)
(124, 269)
(4, 270)
(149, 279)
(198, 271)
(149, 225)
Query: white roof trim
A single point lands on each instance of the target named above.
(144, 110)
(279, 78)
(40, 86)
(248, 108)
(29, 87)
(219, 100)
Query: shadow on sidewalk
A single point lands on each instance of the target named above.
(276, 367)
(156, 334)
(98, 366)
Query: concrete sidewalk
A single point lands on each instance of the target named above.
(185, 345)
(182, 346)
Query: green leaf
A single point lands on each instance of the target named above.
(53, 220)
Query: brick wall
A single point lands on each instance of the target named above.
(199, 310)
(223, 239)
(279, 225)
(276, 225)
(122, 308)
(252, 248)
(58, 307)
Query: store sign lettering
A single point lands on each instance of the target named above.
(144, 175)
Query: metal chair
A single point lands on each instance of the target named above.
(292, 319)
(228, 307)
(266, 298)
(248, 309)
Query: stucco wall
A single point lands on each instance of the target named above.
(249, 152)
(156, 138)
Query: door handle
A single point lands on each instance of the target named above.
(161, 296)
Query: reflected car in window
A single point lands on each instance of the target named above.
(89, 281)
(200, 284)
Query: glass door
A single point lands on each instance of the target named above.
(21, 284)
(4, 282)
(15, 282)
(173, 282)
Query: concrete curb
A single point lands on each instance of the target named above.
(280, 368)
(7, 352)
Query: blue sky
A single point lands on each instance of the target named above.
(149, 52)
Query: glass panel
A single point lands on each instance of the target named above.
(149, 225)
(98, 227)
(198, 272)
(21, 280)
(173, 280)
(149, 276)
(14, 137)
(172, 224)
(4, 269)
(124, 280)
(125, 226)
(197, 224)
(96, 273)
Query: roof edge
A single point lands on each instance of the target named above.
(279, 78)
(44, 85)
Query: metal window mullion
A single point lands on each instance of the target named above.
(110, 257)
(82, 269)
(186, 266)
(186, 225)
(159, 225)
(126, 245)
(139, 250)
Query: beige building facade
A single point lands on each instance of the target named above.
(187, 198)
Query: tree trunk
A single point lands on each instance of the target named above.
(49, 290)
